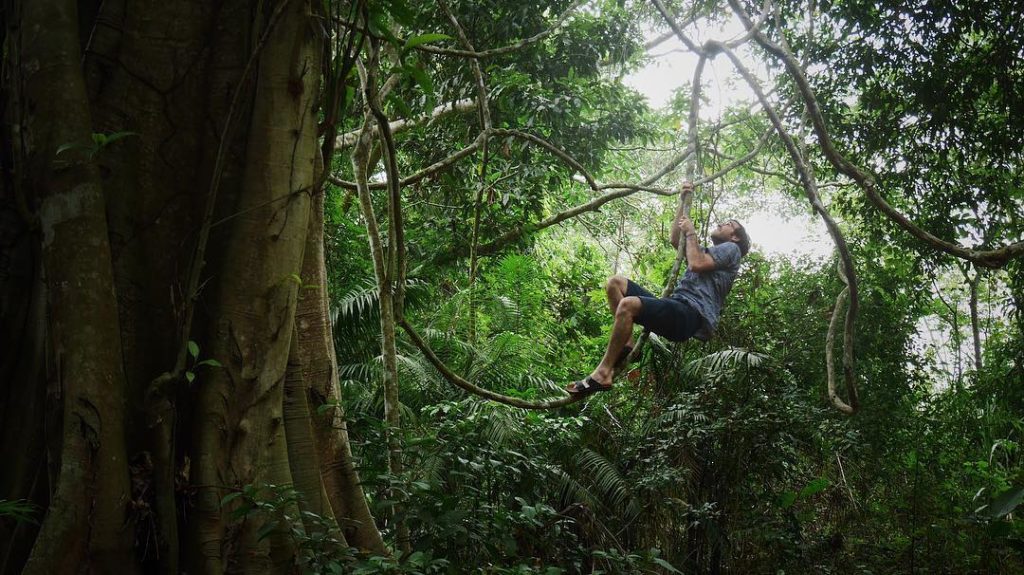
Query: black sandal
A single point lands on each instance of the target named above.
(587, 386)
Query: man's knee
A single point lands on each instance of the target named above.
(629, 306)
(616, 283)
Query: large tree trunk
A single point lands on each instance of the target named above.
(242, 441)
(320, 374)
(23, 402)
(85, 524)
(120, 222)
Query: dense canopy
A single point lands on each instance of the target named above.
(296, 286)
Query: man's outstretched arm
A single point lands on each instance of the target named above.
(676, 232)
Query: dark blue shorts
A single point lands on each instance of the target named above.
(670, 318)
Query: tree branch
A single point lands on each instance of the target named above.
(462, 383)
(398, 126)
(470, 52)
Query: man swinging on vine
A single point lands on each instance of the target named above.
(691, 310)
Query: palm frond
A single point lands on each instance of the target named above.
(364, 298)
(501, 424)
(508, 305)
(435, 336)
(725, 362)
(608, 480)
(362, 371)
(571, 490)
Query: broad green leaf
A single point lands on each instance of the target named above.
(666, 565)
(111, 138)
(193, 349)
(424, 39)
(190, 376)
(1006, 502)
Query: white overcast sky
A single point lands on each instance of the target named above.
(670, 68)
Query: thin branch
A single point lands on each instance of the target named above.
(676, 28)
(425, 172)
(360, 158)
(398, 126)
(619, 190)
(661, 39)
(833, 395)
(691, 170)
(614, 190)
(485, 121)
(396, 228)
(336, 87)
(708, 48)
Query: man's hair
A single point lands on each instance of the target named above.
(744, 238)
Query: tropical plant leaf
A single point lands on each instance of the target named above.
(424, 39)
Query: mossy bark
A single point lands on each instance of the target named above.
(320, 374)
(118, 226)
(239, 429)
(84, 527)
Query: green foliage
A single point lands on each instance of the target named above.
(716, 457)
(193, 352)
(99, 142)
(20, 511)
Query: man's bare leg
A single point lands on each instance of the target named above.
(622, 332)
(615, 291)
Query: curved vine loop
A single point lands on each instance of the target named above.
(848, 272)
(848, 374)
(466, 385)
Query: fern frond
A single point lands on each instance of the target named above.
(362, 299)
(608, 480)
(725, 361)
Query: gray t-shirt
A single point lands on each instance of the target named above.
(706, 291)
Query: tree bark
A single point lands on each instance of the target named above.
(22, 378)
(85, 523)
(119, 223)
(975, 323)
(320, 374)
(239, 433)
